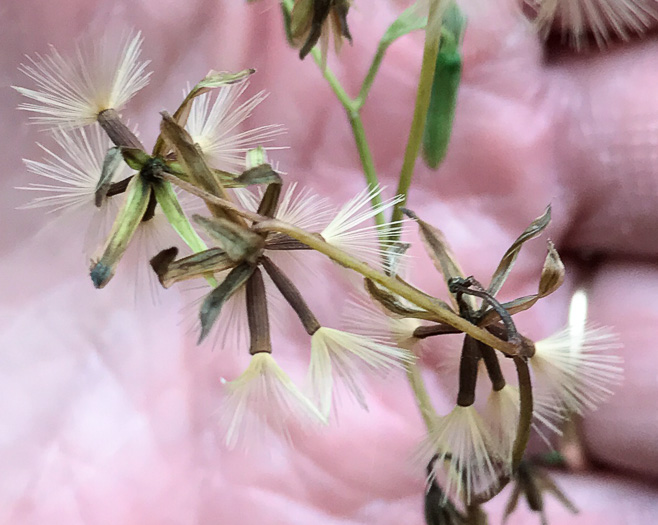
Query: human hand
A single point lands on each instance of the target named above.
(110, 413)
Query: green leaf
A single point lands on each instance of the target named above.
(409, 20)
(445, 86)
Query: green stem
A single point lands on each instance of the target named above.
(422, 397)
(354, 116)
(432, 40)
(367, 163)
(360, 100)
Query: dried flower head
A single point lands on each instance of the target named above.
(501, 415)
(316, 20)
(73, 91)
(72, 176)
(462, 440)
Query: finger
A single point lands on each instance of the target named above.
(621, 433)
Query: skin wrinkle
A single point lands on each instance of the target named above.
(295, 94)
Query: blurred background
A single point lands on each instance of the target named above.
(108, 408)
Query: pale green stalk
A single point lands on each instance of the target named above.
(422, 397)
(423, 94)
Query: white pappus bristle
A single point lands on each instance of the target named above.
(466, 450)
(345, 354)
(576, 369)
(215, 127)
(72, 91)
(264, 398)
(603, 19)
(351, 232)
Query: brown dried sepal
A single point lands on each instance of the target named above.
(439, 251)
(215, 300)
(397, 306)
(507, 262)
(195, 166)
(552, 277)
(239, 242)
(202, 264)
(312, 20)
(534, 483)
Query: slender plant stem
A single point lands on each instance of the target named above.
(358, 131)
(360, 100)
(522, 430)
(431, 49)
(525, 411)
(352, 108)
(367, 162)
(422, 397)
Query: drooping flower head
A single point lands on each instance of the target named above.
(339, 354)
(463, 442)
(316, 20)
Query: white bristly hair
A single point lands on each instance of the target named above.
(467, 451)
(576, 370)
(264, 398)
(215, 127)
(345, 354)
(70, 176)
(502, 415)
(347, 231)
(72, 91)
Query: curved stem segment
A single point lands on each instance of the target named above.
(522, 431)
(396, 286)
(526, 408)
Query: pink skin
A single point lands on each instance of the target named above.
(109, 414)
